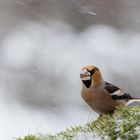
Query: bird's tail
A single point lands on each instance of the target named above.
(133, 102)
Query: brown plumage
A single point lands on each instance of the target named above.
(101, 96)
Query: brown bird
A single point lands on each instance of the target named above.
(102, 96)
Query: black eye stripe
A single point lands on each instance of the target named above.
(93, 71)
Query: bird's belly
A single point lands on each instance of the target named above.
(103, 103)
(103, 106)
(100, 102)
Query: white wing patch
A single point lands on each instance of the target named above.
(118, 93)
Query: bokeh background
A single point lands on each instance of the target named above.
(43, 45)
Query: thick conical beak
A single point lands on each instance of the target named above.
(81, 75)
(85, 75)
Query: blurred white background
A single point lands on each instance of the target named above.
(43, 45)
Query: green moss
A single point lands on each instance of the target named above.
(29, 137)
(123, 124)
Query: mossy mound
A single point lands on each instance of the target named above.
(124, 124)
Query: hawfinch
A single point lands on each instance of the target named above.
(102, 96)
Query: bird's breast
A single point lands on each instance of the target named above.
(99, 101)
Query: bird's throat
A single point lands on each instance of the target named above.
(87, 83)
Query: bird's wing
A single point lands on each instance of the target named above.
(115, 92)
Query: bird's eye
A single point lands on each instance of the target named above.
(93, 71)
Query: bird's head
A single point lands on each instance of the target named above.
(90, 75)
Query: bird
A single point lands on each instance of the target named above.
(103, 97)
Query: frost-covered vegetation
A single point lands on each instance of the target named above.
(124, 124)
